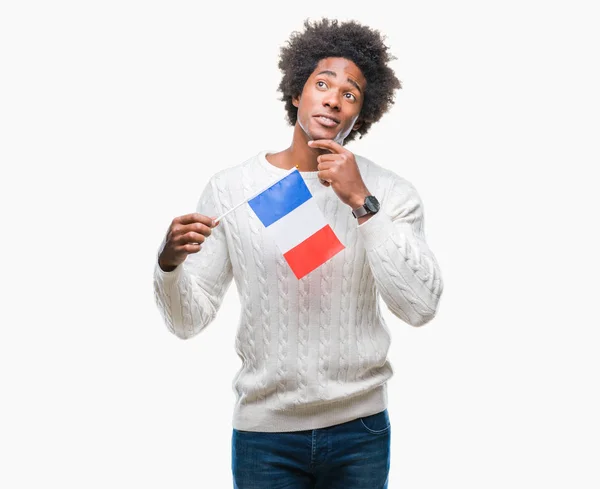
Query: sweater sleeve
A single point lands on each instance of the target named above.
(189, 297)
(406, 272)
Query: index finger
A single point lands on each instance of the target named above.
(327, 144)
(195, 217)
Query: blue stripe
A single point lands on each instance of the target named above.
(281, 198)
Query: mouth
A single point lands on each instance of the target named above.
(327, 120)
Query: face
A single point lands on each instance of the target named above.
(331, 99)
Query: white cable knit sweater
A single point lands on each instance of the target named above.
(313, 351)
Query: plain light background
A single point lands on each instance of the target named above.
(114, 114)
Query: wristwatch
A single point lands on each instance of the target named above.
(371, 206)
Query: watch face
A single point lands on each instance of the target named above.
(372, 204)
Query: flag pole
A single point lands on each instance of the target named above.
(218, 219)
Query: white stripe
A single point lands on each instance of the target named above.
(293, 228)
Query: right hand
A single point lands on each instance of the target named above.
(185, 236)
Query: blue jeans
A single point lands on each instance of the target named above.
(352, 455)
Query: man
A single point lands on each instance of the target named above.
(311, 399)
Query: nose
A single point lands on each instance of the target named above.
(332, 100)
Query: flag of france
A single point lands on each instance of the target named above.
(291, 216)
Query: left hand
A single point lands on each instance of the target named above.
(339, 170)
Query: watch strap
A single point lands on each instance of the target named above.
(360, 211)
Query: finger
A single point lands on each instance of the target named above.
(325, 175)
(328, 157)
(189, 238)
(198, 228)
(327, 144)
(181, 230)
(327, 184)
(191, 248)
(194, 217)
(327, 165)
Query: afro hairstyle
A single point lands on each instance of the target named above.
(327, 38)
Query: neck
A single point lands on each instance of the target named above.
(298, 154)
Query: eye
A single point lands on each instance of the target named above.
(350, 96)
(321, 84)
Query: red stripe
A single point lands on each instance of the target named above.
(313, 251)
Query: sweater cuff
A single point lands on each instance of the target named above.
(168, 278)
(376, 230)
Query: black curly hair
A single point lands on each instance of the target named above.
(360, 44)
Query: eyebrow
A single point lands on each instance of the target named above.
(334, 74)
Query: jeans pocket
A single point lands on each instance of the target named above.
(376, 424)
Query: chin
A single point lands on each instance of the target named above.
(320, 133)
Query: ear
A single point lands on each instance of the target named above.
(296, 101)
(357, 125)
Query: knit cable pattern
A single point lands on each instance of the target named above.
(302, 365)
(346, 303)
(244, 343)
(283, 274)
(293, 377)
(326, 274)
(263, 291)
